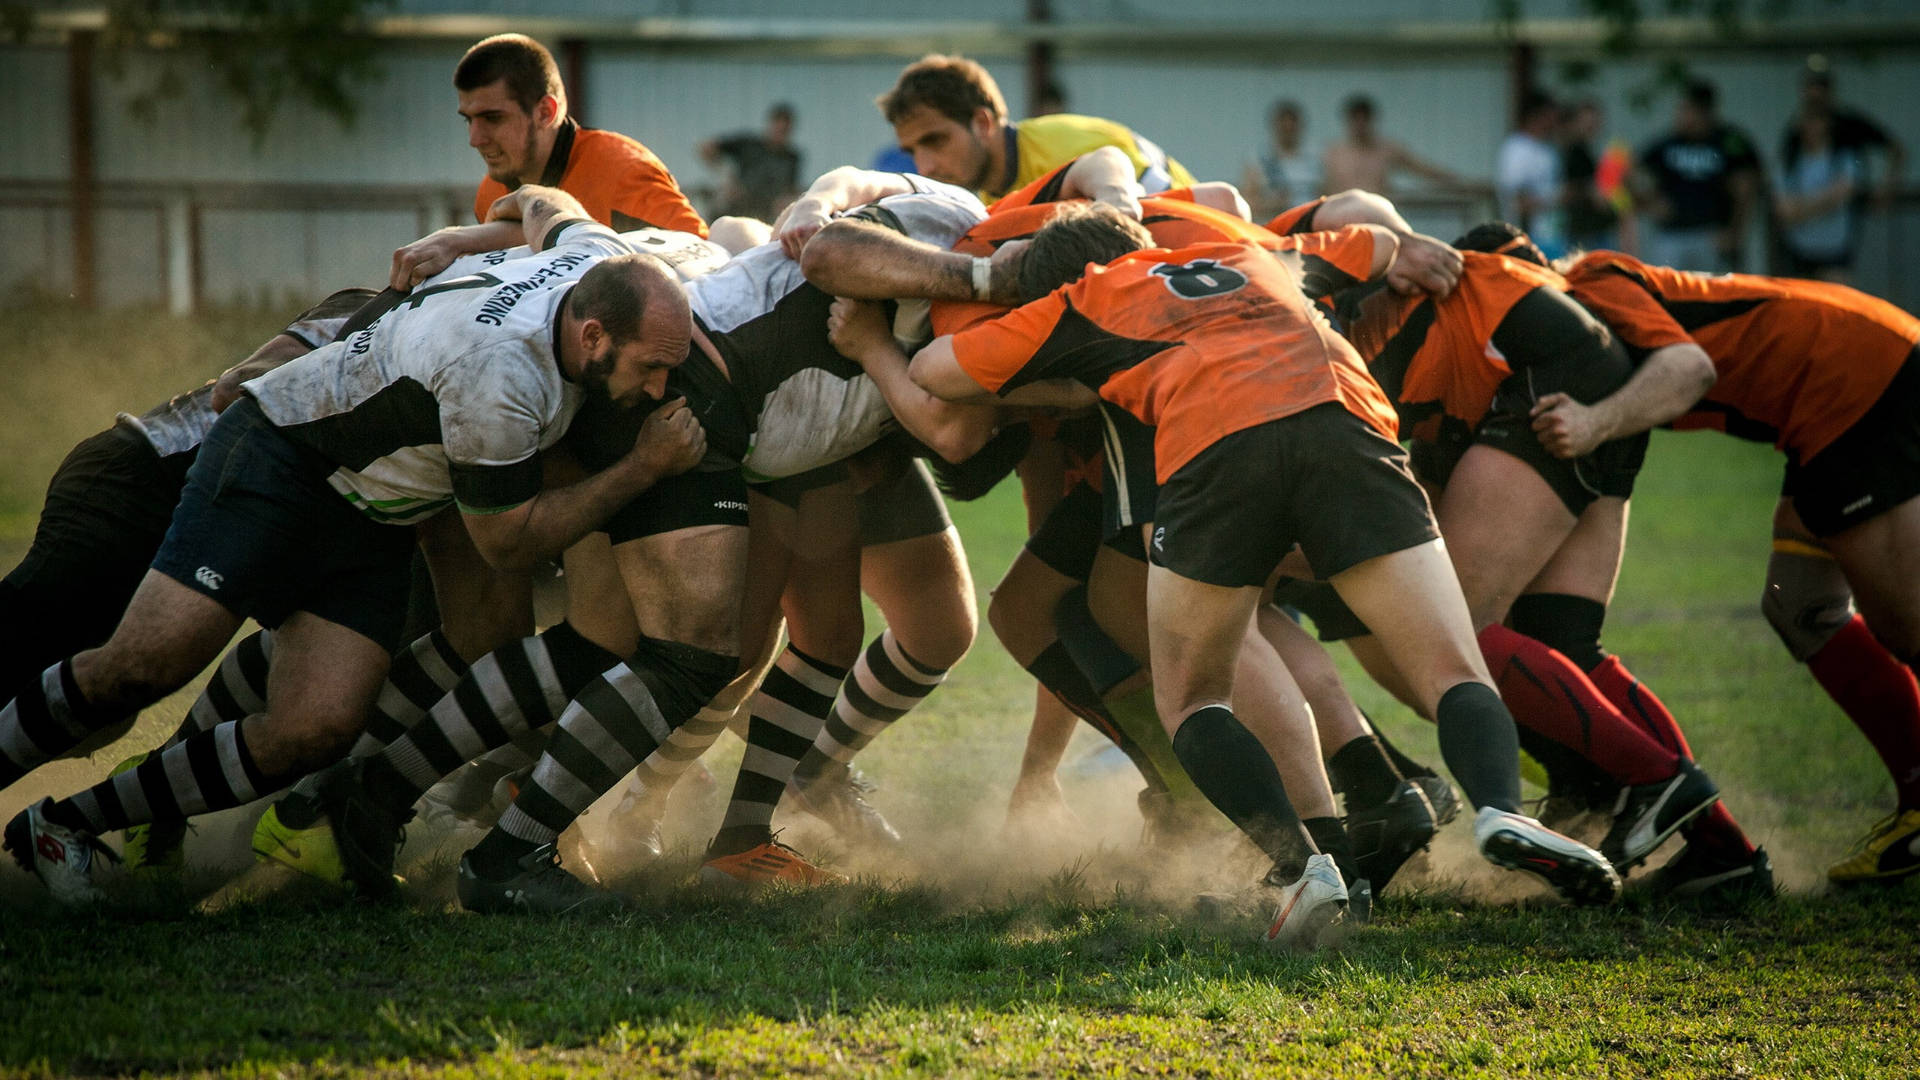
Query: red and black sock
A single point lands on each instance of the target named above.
(1879, 694)
(1550, 695)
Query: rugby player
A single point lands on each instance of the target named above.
(801, 406)
(292, 510)
(1827, 374)
(948, 113)
(516, 113)
(1127, 332)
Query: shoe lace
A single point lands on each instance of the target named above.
(1880, 828)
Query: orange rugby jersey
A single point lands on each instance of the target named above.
(1435, 357)
(1198, 343)
(1799, 361)
(1331, 261)
(619, 181)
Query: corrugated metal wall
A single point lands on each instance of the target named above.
(1207, 112)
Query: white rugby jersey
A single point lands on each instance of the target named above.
(807, 405)
(449, 397)
(181, 424)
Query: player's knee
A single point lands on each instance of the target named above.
(133, 676)
(939, 637)
(1015, 621)
(1806, 601)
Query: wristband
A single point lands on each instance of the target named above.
(982, 278)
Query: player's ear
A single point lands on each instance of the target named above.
(985, 125)
(547, 112)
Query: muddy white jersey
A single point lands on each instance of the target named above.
(809, 406)
(449, 397)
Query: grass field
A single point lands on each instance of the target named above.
(989, 955)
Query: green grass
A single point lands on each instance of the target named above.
(984, 955)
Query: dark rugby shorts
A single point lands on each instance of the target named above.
(1871, 468)
(1066, 541)
(1323, 479)
(259, 530)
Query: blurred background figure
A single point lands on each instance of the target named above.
(763, 170)
(1284, 173)
(1052, 98)
(1815, 202)
(1849, 131)
(1365, 160)
(1599, 208)
(1698, 184)
(1527, 176)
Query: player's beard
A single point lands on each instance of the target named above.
(512, 172)
(980, 178)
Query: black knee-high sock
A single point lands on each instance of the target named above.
(509, 691)
(614, 723)
(212, 770)
(237, 690)
(1055, 669)
(787, 713)
(47, 718)
(1406, 766)
(1363, 773)
(1235, 773)
(1478, 743)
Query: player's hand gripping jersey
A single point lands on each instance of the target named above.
(450, 396)
(1198, 343)
(1799, 362)
(806, 404)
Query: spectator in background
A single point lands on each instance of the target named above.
(1849, 131)
(1364, 160)
(1284, 174)
(1526, 174)
(765, 168)
(1815, 200)
(1599, 213)
(1698, 184)
(1051, 99)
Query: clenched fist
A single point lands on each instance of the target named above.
(670, 442)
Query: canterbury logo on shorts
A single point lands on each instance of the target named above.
(209, 577)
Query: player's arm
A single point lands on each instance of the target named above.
(1105, 175)
(516, 524)
(936, 369)
(1423, 263)
(863, 261)
(434, 252)
(836, 191)
(1329, 262)
(1676, 373)
(954, 430)
(279, 349)
(537, 209)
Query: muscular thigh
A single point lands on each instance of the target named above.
(687, 585)
(1502, 523)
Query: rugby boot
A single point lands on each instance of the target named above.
(295, 833)
(1646, 814)
(1307, 911)
(1889, 852)
(1698, 873)
(1384, 837)
(1440, 796)
(1574, 870)
(62, 858)
(766, 864)
(630, 837)
(366, 834)
(540, 886)
(837, 795)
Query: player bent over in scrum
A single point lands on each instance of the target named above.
(1215, 346)
(292, 514)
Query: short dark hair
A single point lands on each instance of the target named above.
(1533, 102)
(1077, 234)
(780, 111)
(1282, 107)
(1358, 103)
(952, 86)
(1702, 95)
(524, 63)
(1502, 238)
(614, 292)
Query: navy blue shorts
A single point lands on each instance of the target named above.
(259, 530)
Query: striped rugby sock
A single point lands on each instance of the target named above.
(48, 718)
(884, 685)
(787, 714)
(507, 693)
(208, 771)
(610, 727)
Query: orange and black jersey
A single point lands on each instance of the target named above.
(1198, 343)
(620, 182)
(1442, 360)
(1799, 362)
(1174, 220)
